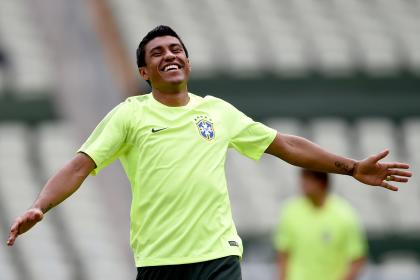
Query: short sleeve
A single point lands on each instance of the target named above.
(356, 242)
(108, 140)
(283, 236)
(248, 137)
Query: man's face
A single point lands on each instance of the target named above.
(311, 186)
(166, 63)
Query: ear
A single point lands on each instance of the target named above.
(189, 64)
(143, 73)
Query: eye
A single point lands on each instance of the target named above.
(156, 54)
(177, 49)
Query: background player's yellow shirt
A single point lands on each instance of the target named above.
(320, 243)
(174, 158)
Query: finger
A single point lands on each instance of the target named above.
(14, 229)
(11, 240)
(400, 173)
(14, 232)
(397, 179)
(380, 155)
(397, 165)
(388, 186)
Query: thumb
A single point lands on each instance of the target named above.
(379, 156)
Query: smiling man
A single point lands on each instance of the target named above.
(172, 145)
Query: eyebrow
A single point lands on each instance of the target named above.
(161, 47)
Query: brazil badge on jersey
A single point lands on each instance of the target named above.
(205, 127)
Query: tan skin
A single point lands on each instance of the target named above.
(316, 191)
(170, 88)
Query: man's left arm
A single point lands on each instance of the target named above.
(301, 152)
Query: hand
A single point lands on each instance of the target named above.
(24, 223)
(372, 172)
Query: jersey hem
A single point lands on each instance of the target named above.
(186, 260)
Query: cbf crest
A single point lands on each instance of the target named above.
(205, 127)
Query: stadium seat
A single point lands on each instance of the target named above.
(30, 65)
(259, 270)
(244, 182)
(8, 265)
(40, 249)
(283, 175)
(335, 37)
(399, 267)
(411, 132)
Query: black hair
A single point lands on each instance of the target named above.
(158, 31)
(317, 175)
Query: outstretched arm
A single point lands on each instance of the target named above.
(302, 152)
(57, 189)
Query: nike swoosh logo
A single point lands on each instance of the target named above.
(154, 130)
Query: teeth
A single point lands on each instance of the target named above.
(170, 67)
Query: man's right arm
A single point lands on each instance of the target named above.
(63, 184)
(282, 258)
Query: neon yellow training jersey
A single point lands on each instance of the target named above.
(320, 242)
(174, 158)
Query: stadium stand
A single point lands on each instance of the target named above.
(411, 128)
(336, 37)
(3, 69)
(29, 61)
(6, 267)
(42, 254)
(398, 267)
(288, 39)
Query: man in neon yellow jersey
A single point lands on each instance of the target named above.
(173, 146)
(319, 236)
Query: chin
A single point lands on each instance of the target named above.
(175, 81)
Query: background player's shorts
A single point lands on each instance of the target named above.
(227, 268)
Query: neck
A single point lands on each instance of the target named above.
(318, 200)
(173, 98)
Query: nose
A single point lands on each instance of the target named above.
(169, 55)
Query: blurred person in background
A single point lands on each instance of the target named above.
(319, 235)
(172, 145)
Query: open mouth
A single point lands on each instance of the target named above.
(171, 67)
